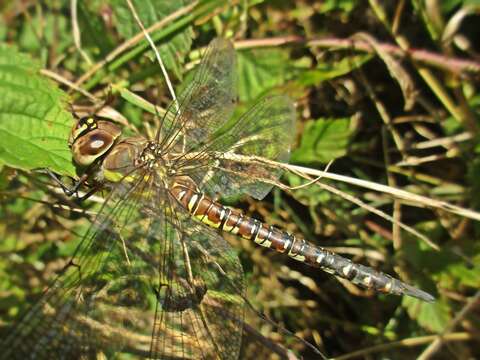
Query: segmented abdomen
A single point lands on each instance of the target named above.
(221, 217)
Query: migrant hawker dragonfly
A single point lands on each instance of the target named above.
(153, 276)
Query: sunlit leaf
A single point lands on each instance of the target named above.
(91, 24)
(463, 269)
(431, 316)
(336, 5)
(52, 26)
(327, 71)
(323, 140)
(34, 126)
(260, 70)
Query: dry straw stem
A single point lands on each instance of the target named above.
(415, 160)
(412, 342)
(106, 111)
(60, 79)
(157, 55)
(396, 71)
(415, 199)
(375, 211)
(446, 142)
(76, 31)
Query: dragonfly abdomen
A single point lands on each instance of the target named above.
(225, 219)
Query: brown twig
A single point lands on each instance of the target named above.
(413, 342)
(448, 63)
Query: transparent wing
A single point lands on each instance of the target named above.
(222, 152)
(68, 321)
(144, 281)
(232, 159)
(209, 99)
(209, 307)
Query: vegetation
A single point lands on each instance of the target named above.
(386, 95)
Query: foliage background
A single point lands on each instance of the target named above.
(406, 118)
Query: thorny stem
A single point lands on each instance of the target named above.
(439, 61)
(427, 75)
(447, 63)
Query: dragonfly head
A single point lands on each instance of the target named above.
(91, 138)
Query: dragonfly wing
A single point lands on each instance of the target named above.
(180, 285)
(145, 281)
(69, 321)
(209, 99)
(200, 317)
(41, 333)
(266, 131)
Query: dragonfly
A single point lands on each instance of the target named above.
(153, 277)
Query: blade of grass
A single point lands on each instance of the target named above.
(169, 25)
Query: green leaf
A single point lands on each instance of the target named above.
(91, 24)
(3, 31)
(431, 316)
(323, 140)
(34, 127)
(43, 30)
(174, 48)
(260, 70)
(312, 195)
(454, 267)
(337, 5)
(328, 71)
(460, 272)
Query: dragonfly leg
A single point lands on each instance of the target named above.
(73, 191)
(69, 191)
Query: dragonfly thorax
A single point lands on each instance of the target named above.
(125, 157)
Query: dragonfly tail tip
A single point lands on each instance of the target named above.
(418, 294)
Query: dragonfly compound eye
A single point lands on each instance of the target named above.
(92, 139)
(81, 127)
